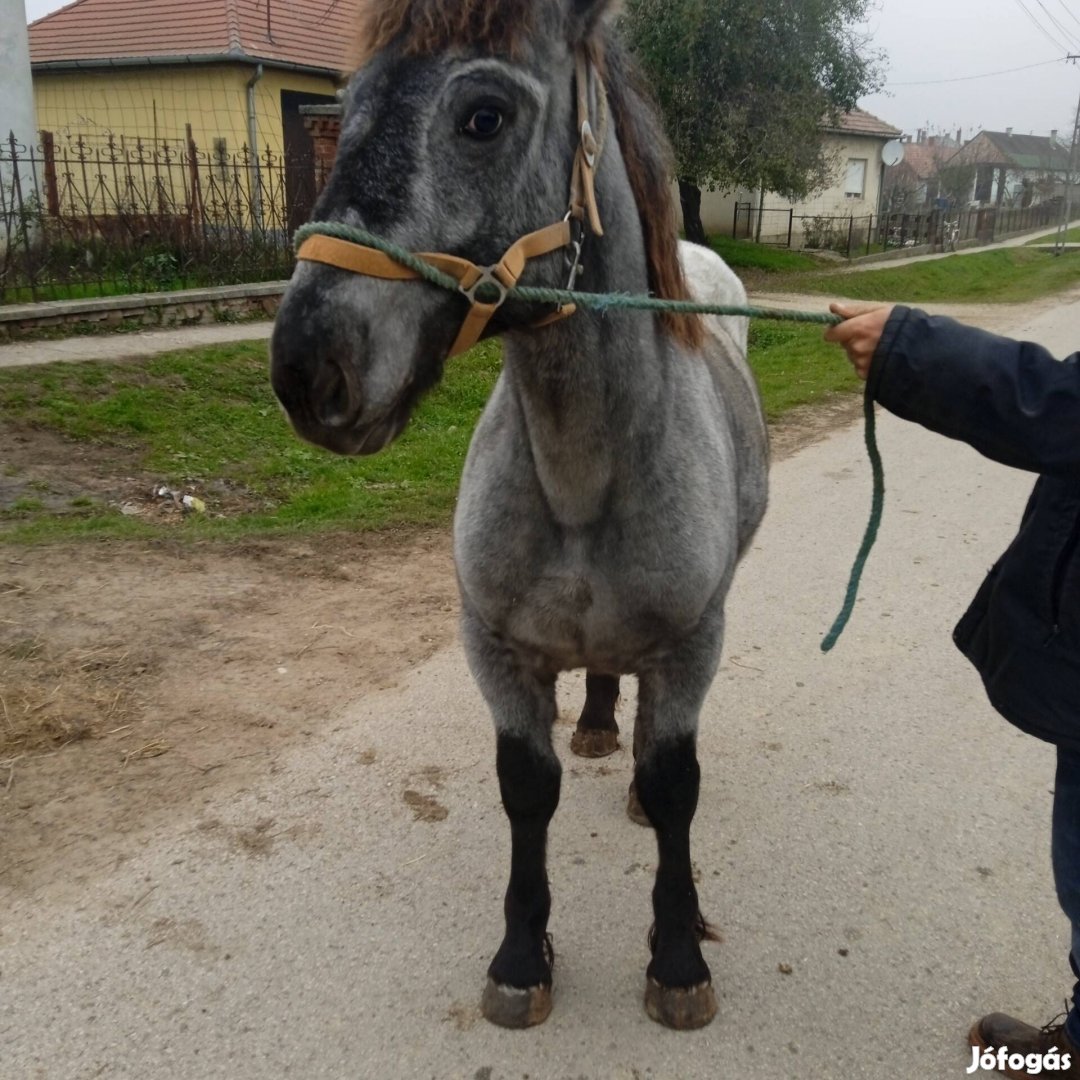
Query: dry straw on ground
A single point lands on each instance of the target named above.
(50, 698)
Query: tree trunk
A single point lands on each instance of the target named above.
(690, 197)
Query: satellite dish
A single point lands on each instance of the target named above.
(892, 153)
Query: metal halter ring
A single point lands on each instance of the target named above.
(487, 277)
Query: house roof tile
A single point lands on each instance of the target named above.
(315, 34)
(860, 122)
(925, 159)
(1028, 151)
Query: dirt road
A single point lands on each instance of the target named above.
(284, 855)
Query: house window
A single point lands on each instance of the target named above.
(855, 185)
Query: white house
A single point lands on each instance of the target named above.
(854, 144)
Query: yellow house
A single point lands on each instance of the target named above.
(230, 75)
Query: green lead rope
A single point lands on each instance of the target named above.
(877, 506)
(603, 302)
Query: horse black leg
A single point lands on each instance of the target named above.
(597, 733)
(518, 992)
(522, 702)
(678, 989)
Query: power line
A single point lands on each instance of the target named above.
(968, 78)
(1039, 26)
(1068, 11)
(1070, 36)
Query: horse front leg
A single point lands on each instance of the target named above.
(522, 703)
(667, 776)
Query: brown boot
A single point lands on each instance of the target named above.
(1020, 1050)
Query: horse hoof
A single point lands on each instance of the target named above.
(512, 1008)
(634, 811)
(594, 742)
(682, 1010)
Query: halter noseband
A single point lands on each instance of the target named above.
(485, 287)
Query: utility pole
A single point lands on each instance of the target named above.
(1063, 229)
(16, 88)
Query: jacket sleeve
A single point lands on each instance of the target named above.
(1010, 400)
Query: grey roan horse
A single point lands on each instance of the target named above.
(619, 469)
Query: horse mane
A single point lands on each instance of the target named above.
(501, 27)
(650, 166)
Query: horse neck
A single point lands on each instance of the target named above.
(590, 386)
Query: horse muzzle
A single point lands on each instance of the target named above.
(319, 385)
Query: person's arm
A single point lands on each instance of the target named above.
(1010, 400)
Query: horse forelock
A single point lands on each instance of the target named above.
(418, 27)
(499, 27)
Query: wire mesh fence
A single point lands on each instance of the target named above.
(853, 235)
(86, 217)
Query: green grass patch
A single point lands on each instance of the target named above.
(206, 420)
(794, 366)
(1008, 275)
(1071, 237)
(746, 255)
(209, 415)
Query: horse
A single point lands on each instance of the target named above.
(619, 469)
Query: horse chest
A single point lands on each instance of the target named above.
(583, 604)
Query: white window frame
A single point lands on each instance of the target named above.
(862, 166)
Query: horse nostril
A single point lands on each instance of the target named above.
(336, 396)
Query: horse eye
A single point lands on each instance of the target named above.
(485, 123)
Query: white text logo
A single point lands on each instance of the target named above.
(998, 1060)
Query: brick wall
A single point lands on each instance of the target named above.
(324, 125)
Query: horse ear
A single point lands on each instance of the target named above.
(586, 14)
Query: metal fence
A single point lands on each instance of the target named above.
(854, 235)
(95, 218)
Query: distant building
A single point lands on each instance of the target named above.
(1013, 170)
(854, 144)
(915, 183)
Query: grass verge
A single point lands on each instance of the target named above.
(1071, 237)
(206, 422)
(1008, 275)
(743, 255)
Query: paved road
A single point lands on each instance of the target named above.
(130, 346)
(865, 818)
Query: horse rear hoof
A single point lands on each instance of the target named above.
(683, 1010)
(512, 1008)
(594, 742)
(633, 809)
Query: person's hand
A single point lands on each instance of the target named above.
(860, 332)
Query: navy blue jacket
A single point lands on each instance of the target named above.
(1013, 402)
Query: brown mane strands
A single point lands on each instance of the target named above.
(430, 26)
(649, 168)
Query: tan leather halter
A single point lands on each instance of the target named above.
(504, 275)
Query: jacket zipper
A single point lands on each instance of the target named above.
(1060, 569)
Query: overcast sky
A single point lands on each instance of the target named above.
(929, 40)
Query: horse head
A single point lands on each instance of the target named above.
(459, 136)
